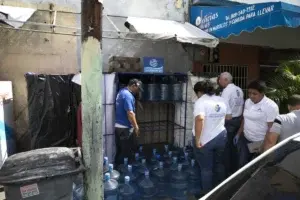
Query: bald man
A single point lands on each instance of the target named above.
(235, 97)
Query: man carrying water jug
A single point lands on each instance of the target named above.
(126, 123)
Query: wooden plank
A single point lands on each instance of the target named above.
(91, 64)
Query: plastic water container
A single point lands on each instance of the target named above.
(169, 161)
(194, 178)
(113, 173)
(153, 158)
(123, 167)
(174, 165)
(166, 152)
(179, 184)
(127, 191)
(176, 92)
(141, 153)
(110, 188)
(155, 165)
(136, 163)
(164, 92)
(144, 167)
(185, 162)
(160, 176)
(147, 188)
(152, 92)
(105, 165)
(130, 174)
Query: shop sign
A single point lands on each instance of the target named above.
(153, 64)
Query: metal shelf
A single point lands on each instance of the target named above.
(158, 126)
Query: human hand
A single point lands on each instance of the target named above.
(236, 139)
(137, 131)
(198, 145)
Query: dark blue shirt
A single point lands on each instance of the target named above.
(125, 101)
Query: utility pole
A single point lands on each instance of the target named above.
(91, 86)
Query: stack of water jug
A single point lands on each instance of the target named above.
(173, 175)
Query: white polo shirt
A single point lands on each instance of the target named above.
(213, 109)
(256, 118)
(235, 98)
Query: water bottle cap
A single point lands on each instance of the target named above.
(143, 160)
(193, 161)
(111, 167)
(127, 179)
(141, 148)
(105, 159)
(170, 153)
(179, 167)
(146, 173)
(175, 159)
(154, 151)
(186, 154)
(107, 176)
(125, 160)
(161, 164)
(157, 156)
(129, 167)
(166, 146)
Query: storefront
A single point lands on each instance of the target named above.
(247, 30)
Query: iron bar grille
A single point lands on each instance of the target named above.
(238, 72)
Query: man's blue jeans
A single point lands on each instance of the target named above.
(244, 154)
(210, 158)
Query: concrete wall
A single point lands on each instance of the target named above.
(25, 51)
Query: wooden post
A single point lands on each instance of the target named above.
(91, 85)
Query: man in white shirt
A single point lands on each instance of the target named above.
(209, 133)
(234, 96)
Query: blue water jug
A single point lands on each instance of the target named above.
(141, 153)
(147, 188)
(144, 167)
(174, 165)
(194, 178)
(110, 188)
(153, 158)
(169, 161)
(127, 191)
(105, 165)
(179, 184)
(185, 162)
(136, 163)
(123, 167)
(166, 152)
(130, 173)
(113, 173)
(160, 177)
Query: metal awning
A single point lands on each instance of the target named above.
(156, 29)
(15, 16)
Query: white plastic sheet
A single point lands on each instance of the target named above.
(15, 16)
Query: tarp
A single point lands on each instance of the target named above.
(15, 16)
(156, 29)
(233, 20)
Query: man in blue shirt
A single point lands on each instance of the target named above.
(126, 122)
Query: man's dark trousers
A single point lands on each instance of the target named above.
(126, 145)
(231, 155)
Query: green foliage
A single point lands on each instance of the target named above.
(284, 83)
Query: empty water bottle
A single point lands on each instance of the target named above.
(160, 176)
(155, 164)
(123, 167)
(194, 178)
(179, 184)
(136, 163)
(113, 173)
(129, 173)
(174, 165)
(110, 188)
(127, 191)
(105, 165)
(166, 152)
(141, 153)
(144, 167)
(185, 163)
(169, 161)
(153, 158)
(147, 189)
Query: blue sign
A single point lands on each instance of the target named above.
(153, 65)
(232, 20)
